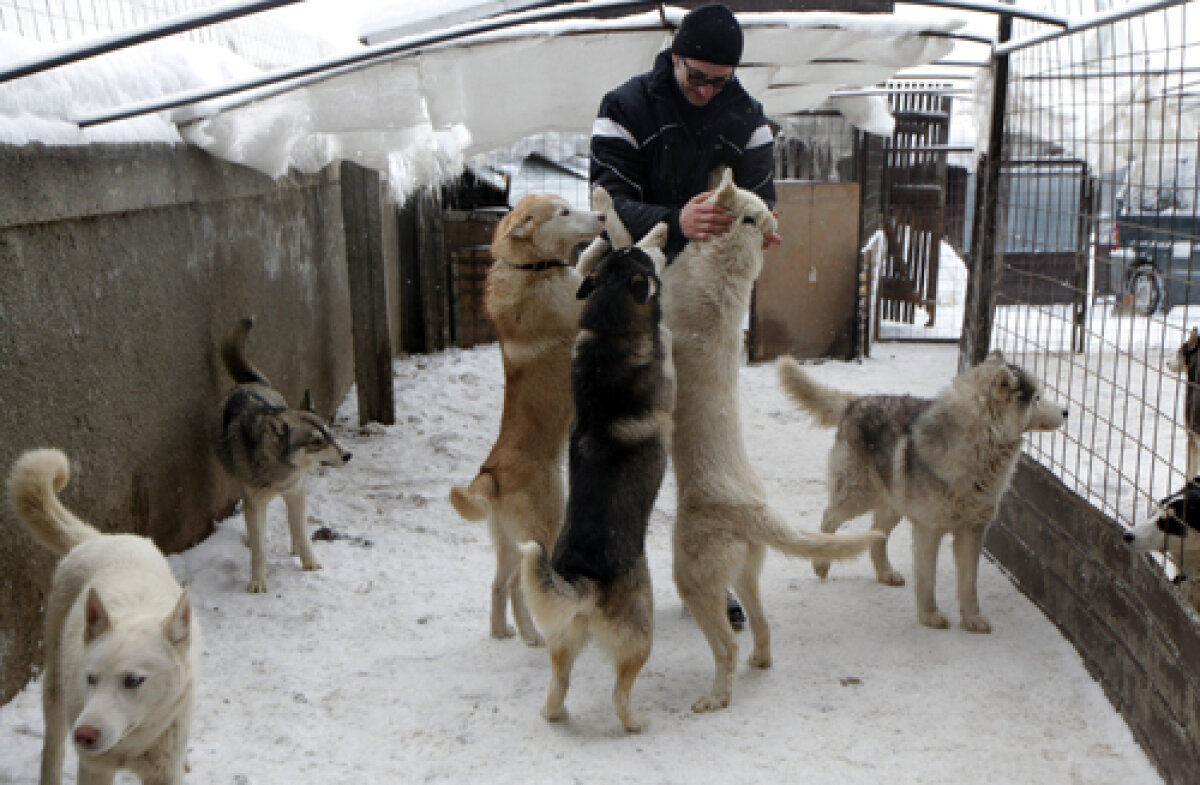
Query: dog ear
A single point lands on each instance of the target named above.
(307, 403)
(1193, 339)
(725, 190)
(521, 229)
(1005, 381)
(643, 288)
(96, 621)
(601, 200)
(592, 254)
(586, 288)
(178, 626)
(279, 427)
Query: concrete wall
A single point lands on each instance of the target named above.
(120, 269)
(1129, 625)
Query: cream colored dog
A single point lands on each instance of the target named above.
(724, 524)
(122, 645)
(530, 300)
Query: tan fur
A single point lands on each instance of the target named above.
(942, 463)
(267, 447)
(724, 524)
(122, 645)
(535, 315)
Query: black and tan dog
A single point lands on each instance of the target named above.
(1187, 363)
(597, 584)
(267, 446)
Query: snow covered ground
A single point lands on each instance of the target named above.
(379, 668)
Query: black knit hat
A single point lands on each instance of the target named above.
(710, 33)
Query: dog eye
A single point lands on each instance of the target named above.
(132, 682)
(749, 219)
(93, 679)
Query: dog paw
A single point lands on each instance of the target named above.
(534, 641)
(257, 587)
(554, 714)
(711, 703)
(976, 624)
(507, 631)
(312, 566)
(934, 619)
(760, 659)
(633, 724)
(820, 568)
(890, 578)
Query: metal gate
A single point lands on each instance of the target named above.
(914, 198)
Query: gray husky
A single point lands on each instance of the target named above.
(943, 463)
(267, 446)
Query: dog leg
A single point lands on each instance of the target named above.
(255, 513)
(508, 558)
(525, 626)
(707, 607)
(627, 672)
(747, 589)
(968, 544)
(55, 718)
(563, 651)
(885, 520)
(831, 521)
(925, 549)
(297, 513)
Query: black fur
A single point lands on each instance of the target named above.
(873, 424)
(613, 483)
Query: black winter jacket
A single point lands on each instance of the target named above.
(653, 151)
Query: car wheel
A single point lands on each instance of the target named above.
(1147, 291)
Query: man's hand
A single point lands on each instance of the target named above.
(700, 220)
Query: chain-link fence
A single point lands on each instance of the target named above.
(1097, 233)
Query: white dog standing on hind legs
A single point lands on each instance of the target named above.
(943, 463)
(724, 524)
(122, 645)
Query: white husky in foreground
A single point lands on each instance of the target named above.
(122, 646)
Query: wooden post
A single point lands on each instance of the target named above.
(984, 279)
(362, 218)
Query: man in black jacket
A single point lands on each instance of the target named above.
(658, 136)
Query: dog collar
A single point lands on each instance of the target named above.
(538, 266)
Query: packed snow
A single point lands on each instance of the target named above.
(379, 668)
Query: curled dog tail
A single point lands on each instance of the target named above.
(33, 488)
(233, 354)
(773, 530)
(475, 501)
(825, 404)
(552, 599)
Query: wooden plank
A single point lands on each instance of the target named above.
(362, 218)
(805, 298)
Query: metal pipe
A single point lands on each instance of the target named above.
(1078, 26)
(1002, 9)
(362, 58)
(110, 43)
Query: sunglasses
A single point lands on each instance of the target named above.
(700, 79)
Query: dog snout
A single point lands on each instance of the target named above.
(1128, 536)
(346, 456)
(87, 736)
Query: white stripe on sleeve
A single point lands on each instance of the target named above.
(761, 136)
(607, 127)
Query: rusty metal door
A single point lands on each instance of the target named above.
(914, 196)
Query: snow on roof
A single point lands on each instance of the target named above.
(418, 115)
(421, 114)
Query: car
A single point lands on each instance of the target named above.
(1154, 248)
